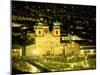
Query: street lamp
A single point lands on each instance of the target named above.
(91, 51)
(82, 53)
(86, 65)
(62, 50)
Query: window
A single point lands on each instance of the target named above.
(39, 32)
(46, 31)
(56, 32)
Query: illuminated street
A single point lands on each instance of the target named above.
(59, 63)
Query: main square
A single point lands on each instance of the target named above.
(51, 37)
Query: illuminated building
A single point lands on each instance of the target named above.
(16, 51)
(46, 42)
(49, 43)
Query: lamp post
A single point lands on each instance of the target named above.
(86, 65)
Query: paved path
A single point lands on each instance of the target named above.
(39, 66)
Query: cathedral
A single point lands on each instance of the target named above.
(46, 42)
(49, 43)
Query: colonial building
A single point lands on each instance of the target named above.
(16, 50)
(46, 42)
(49, 43)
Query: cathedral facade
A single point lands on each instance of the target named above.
(48, 42)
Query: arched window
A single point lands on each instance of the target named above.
(39, 32)
(56, 32)
(46, 31)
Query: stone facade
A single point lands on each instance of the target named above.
(48, 43)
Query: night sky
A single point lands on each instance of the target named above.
(77, 20)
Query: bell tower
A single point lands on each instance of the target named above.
(41, 31)
(56, 29)
(47, 41)
(56, 38)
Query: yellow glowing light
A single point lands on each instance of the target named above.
(82, 51)
(91, 51)
(61, 47)
(16, 25)
(72, 56)
(20, 52)
(68, 58)
(60, 51)
(72, 65)
(34, 52)
(14, 50)
(85, 57)
(68, 45)
(73, 45)
(40, 23)
(73, 42)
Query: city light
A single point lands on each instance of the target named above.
(24, 27)
(92, 51)
(52, 37)
(82, 53)
(40, 23)
(16, 25)
(56, 23)
(61, 47)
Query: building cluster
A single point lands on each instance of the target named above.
(74, 33)
(49, 42)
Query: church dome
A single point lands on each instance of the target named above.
(56, 23)
(41, 24)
